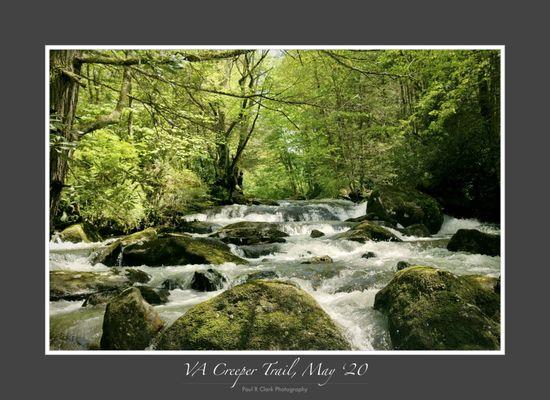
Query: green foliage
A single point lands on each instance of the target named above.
(330, 123)
(105, 181)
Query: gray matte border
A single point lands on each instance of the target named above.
(31, 372)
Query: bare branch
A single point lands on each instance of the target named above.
(180, 56)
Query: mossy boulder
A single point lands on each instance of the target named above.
(207, 281)
(248, 233)
(433, 309)
(178, 250)
(109, 256)
(368, 230)
(405, 206)
(129, 323)
(77, 285)
(257, 315)
(316, 234)
(474, 241)
(82, 232)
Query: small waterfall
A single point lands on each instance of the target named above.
(286, 211)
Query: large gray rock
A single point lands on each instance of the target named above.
(130, 323)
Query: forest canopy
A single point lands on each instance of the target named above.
(141, 137)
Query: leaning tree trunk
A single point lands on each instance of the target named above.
(63, 101)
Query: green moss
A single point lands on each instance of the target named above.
(406, 206)
(248, 233)
(79, 233)
(368, 230)
(129, 323)
(432, 309)
(77, 285)
(474, 241)
(179, 250)
(110, 255)
(258, 315)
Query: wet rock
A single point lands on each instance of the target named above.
(77, 285)
(259, 250)
(79, 233)
(318, 260)
(154, 296)
(357, 219)
(201, 227)
(418, 230)
(474, 241)
(248, 233)
(402, 265)
(173, 283)
(137, 275)
(100, 297)
(368, 254)
(262, 202)
(178, 250)
(254, 276)
(129, 323)
(432, 309)
(316, 234)
(110, 256)
(405, 206)
(207, 281)
(368, 231)
(257, 315)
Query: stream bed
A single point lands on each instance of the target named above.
(345, 289)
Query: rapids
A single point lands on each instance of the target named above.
(345, 289)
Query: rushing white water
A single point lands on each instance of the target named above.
(345, 289)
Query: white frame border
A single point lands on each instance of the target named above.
(275, 352)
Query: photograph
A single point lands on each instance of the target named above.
(286, 199)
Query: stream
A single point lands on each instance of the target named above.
(345, 289)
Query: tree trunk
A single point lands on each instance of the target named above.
(63, 102)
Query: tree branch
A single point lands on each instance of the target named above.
(183, 56)
(114, 117)
(361, 71)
